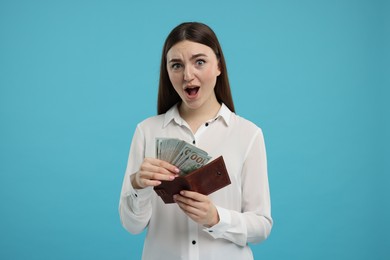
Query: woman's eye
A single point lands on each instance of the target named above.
(176, 66)
(200, 62)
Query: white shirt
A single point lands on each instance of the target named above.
(243, 206)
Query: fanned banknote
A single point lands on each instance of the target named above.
(183, 155)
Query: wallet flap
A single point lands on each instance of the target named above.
(167, 189)
(207, 179)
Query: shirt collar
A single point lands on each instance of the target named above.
(173, 115)
(225, 113)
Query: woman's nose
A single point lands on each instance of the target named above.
(188, 73)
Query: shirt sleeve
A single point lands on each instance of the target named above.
(135, 207)
(253, 224)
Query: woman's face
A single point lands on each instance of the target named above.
(193, 69)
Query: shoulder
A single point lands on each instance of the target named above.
(156, 123)
(244, 125)
(153, 121)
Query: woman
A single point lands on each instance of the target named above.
(195, 105)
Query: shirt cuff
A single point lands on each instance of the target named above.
(137, 198)
(222, 226)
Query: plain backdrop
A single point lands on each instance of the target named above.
(77, 76)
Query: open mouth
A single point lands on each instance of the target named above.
(192, 91)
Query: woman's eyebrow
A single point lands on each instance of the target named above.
(193, 57)
(174, 60)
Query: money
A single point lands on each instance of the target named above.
(183, 155)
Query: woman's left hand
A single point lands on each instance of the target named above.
(198, 207)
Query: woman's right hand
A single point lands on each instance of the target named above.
(152, 172)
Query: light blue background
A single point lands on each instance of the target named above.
(77, 76)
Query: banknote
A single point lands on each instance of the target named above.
(183, 155)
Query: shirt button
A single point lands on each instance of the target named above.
(193, 242)
(193, 142)
(207, 124)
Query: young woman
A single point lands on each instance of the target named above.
(195, 105)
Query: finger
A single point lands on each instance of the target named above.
(187, 203)
(159, 166)
(146, 183)
(193, 195)
(151, 171)
(196, 214)
(170, 167)
(146, 175)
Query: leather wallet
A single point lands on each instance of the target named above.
(205, 180)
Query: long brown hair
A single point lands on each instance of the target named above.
(200, 33)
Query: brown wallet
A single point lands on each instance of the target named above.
(205, 180)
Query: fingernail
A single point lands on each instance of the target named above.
(177, 170)
(171, 177)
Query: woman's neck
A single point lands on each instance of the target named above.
(196, 117)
